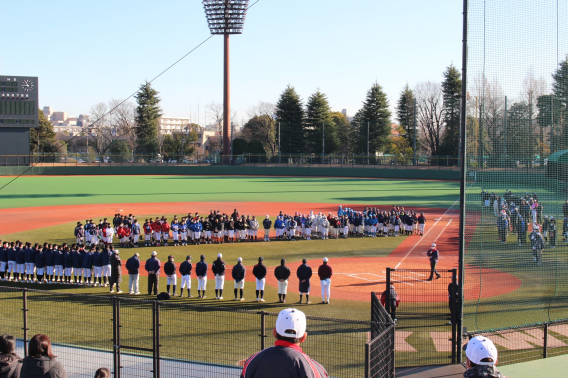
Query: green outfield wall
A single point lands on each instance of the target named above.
(402, 173)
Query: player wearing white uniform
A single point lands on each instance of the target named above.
(259, 272)
(282, 273)
(170, 270)
(421, 224)
(239, 273)
(201, 273)
(254, 228)
(218, 269)
(185, 271)
(325, 272)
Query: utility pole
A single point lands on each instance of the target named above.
(368, 122)
(414, 145)
(323, 142)
(279, 153)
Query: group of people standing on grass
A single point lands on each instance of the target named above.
(518, 214)
(238, 273)
(217, 227)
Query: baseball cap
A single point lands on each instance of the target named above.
(220, 255)
(116, 251)
(433, 244)
(240, 259)
(291, 323)
(154, 253)
(480, 348)
(325, 259)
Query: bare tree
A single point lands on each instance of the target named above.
(216, 110)
(122, 121)
(430, 109)
(534, 88)
(263, 108)
(100, 130)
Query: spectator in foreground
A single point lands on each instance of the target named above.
(285, 358)
(481, 358)
(102, 373)
(10, 363)
(41, 362)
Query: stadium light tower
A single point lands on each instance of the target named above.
(226, 17)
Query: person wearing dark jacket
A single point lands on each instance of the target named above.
(389, 300)
(39, 262)
(201, 273)
(115, 272)
(239, 272)
(41, 362)
(10, 363)
(170, 270)
(433, 254)
(29, 261)
(133, 267)
(259, 272)
(218, 269)
(49, 263)
(325, 272)
(453, 300)
(77, 257)
(304, 273)
(105, 261)
(185, 271)
(286, 358)
(153, 268)
(267, 224)
(58, 259)
(282, 273)
(87, 265)
(68, 265)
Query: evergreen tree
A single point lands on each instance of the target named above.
(46, 135)
(290, 115)
(148, 113)
(374, 117)
(319, 126)
(451, 87)
(560, 89)
(346, 133)
(405, 112)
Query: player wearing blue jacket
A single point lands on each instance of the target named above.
(106, 255)
(40, 265)
(87, 265)
(11, 270)
(29, 262)
(49, 263)
(185, 271)
(58, 261)
(201, 273)
(77, 257)
(68, 264)
(20, 262)
(3, 260)
(97, 267)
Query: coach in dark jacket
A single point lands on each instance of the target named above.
(304, 273)
(153, 268)
(282, 273)
(115, 272)
(133, 267)
(239, 272)
(433, 254)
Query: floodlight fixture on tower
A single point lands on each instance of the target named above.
(226, 17)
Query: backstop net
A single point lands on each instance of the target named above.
(516, 270)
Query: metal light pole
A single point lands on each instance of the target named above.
(279, 153)
(226, 17)
(414, 145)
(322, 142)
(368, 122)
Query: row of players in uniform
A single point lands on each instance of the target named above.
(52, 263)
(220, 228)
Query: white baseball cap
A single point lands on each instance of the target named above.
(325, 259)
(480, 348)
(116, 251)
(154, 253)
(291, 323)
(240, 259)
(433, 244)
(220, 255)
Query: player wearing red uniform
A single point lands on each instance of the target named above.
(165, 231)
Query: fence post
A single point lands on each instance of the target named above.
(116, 336)
(25, 314)
(545, 344)
(156, 338)
(388, 292)
(262, 330)
(453, 312)
(367, 361)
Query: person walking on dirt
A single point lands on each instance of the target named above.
(433, 254)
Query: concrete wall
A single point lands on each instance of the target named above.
(400, 173)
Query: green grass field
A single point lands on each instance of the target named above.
(74, 190)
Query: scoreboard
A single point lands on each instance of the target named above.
(18, 101)
(18, 114)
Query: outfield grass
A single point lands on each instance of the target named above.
(73, 190)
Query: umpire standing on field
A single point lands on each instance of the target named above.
(153, 268)
(433, 254)
(304, 273)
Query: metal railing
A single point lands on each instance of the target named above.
(284, 160)
(379, 351)
(150, 338)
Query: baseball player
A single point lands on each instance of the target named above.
(68, 263)
(79, 233)
(218, 269)
(49, 263)
(12, 261)
(87, 265)
(40, 265)
(197, 230)
(175, 232)
(98, 267)
(165, 231)
(29, 261)
(185, 271)
(183, 231)
(207, 226)
(20, 262)
(201, 272)
(259, 272)
(58, 260)
(135, 233)
(254, 224)
(157, 229)
(325, 272)
(239, 272)
(170, 270)
(3, 261)
(433, 254)
(421, 224)
(282, 273)
(304, 273)
(267, 224)
(77, 257)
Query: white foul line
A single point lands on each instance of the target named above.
(427, 232)
(444, 229)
